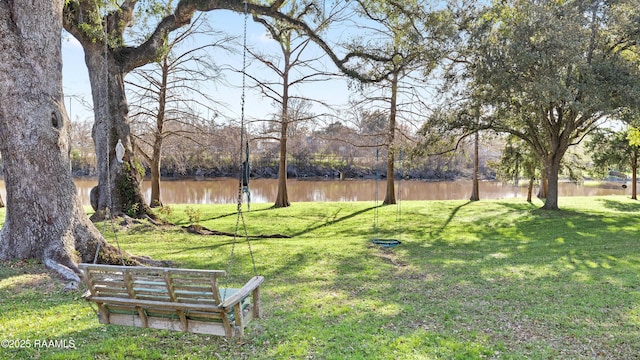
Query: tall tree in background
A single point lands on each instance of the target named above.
(552, 71)
(294, 68)
(166, 94)
(415, 38)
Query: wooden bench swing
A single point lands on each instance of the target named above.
(171, 299)
(186, 300)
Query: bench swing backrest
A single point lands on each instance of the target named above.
(171, 299)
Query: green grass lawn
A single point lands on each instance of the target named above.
(490, 279)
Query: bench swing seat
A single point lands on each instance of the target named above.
(171, 299)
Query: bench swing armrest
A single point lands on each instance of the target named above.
(242, 293)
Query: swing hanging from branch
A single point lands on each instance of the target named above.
(170, 298)
(387, 243)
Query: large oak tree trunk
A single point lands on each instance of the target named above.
(118, 183)
(553, 171)
(44, 217)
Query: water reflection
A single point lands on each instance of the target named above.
(225, 191)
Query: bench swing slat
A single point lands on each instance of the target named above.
(171, 299)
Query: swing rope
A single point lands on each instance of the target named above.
(388, 243)
(375, 209)
(399, 197)
(244, 143)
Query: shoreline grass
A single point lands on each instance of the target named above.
(491, 279)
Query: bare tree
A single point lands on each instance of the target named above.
(414, 39)
(293, 68)
(166, 95)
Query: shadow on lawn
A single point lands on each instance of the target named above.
(334, 219)
(578, 266)
(619, 206)
(450, 218)
(235, 213)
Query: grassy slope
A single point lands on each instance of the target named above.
(496, 279)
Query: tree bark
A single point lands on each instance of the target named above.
(475, 192)
(390, 196)
(282, 197)
(634, 175)
(156, 156)
(544, 184)
(44, 217)
(118, 183)
(553, 171)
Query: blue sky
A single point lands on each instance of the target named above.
(77, 88)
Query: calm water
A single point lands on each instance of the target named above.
(264, 190)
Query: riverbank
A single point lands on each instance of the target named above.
(295, 171)
(489, 279)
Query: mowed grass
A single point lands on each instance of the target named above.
(489, 279)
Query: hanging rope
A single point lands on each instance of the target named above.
(375, 209)
(244, 143)
(399, 197)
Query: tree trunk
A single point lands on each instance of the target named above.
(155, 178)
(282, 198)
(44, 218)
(553, 170)
(118, 183)
(475, 192)
(530, 189)
(544, 184)
(390, 196)
(158, 137)
(634, 175)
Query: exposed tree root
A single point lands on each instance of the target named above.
(201, 230)
(65, 272)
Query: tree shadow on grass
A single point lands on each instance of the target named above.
(452, 215)
(235, 213)
(620, 206)
(333, 219)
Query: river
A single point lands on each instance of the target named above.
(224, 191)
(221, 191)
